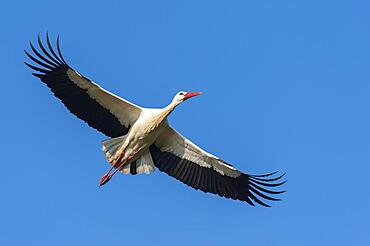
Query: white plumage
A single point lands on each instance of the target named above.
(141, 138)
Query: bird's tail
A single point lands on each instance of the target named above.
(144, 164)
(111, 146)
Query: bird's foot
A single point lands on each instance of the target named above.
(104, 179)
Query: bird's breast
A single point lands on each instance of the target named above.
(144, 133)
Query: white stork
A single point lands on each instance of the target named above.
(141, 138)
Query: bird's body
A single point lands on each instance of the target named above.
(142, 139)
(143, 132)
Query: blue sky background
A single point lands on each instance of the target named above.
(286, 88)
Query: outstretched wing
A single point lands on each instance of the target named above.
(99, 108)
(180, 158)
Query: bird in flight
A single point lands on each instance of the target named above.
(141, 139)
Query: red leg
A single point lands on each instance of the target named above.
(121, 165)
(105, 177)
(108, 177)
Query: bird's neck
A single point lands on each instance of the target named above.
(169, 108)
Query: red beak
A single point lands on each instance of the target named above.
(192, 94)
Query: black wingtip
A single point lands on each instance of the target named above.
(46, 59)
(38, 61)
(29, 65)
(52, 50)
(36, 68)
(258, 201)
(257, 190)
(264, 175)
(267, 184)
(59, 52)
(263, 179)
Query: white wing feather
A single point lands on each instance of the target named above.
(125, 111)
(172, 141)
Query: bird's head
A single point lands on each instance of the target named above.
(183, 96)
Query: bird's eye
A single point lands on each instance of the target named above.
(181, 93)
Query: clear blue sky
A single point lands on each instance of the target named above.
(286, 85)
